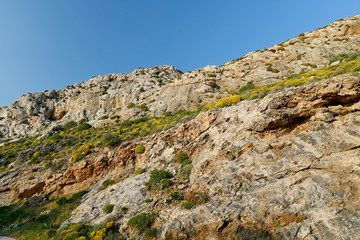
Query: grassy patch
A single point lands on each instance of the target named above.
(142, 222)
(182, 158)
(37, 222)
(188, 205)
(344, 57)
(246, 87)
(139, 171)
(111, 139)
(106, 183)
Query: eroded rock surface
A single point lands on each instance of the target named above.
(292, 171)
(152, 91)
(283, 167)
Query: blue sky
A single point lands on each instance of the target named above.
(49, 44)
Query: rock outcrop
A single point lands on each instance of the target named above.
(152, 91)
(285, 166)
(292, 170)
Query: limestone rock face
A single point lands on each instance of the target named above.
(285, 166)
(152, 91)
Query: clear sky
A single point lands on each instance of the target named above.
(49, 44)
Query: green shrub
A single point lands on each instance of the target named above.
(72, 199)
(156, 177)
(344, 57)
(83, 126)
(114, 117)
(139, 149)
(211, 74)
(77, 196)
(148, 200)
(185, 171)
(108, 208)
(74, 232)
(82, 238)
(106, 183)
(166, 183)
(310, 65)
(151, 233)
(248, 86)
(212, 84)
(182, 158)
(55, 137)
(292, 76)
(81, 152)
(48, 164)
(143, 107)
(196, 198)
(72, 236)
(188, 205)
(176, 196)
(124, 210)
(223, 102)
(167, 114)
(139, 171)
(70, 125)
(61, 201)
(142, 222)
(111, 140)
(131, 105)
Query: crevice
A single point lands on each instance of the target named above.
(287, 171)
(287, 124)
(223, 226)
(346, 101)
(353, 148)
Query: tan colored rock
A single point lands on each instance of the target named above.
(165, 88)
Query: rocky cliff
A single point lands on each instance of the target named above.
(277, 159)
(153, 91)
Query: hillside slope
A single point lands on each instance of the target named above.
(152, 91)
(277, 159)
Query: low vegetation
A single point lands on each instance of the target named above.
(177, 196)
(187, 205)
(111, 139)
(108, 208)
(182, 158)
(55, 150)
(106, 183)
(25, 221)
(78, 139)
(159, 179)
(302, 78)
(344, 57)
(246, 87)
(139, 171)
(143, 223)
(139, 149)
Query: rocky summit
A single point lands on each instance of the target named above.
(266, 146)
